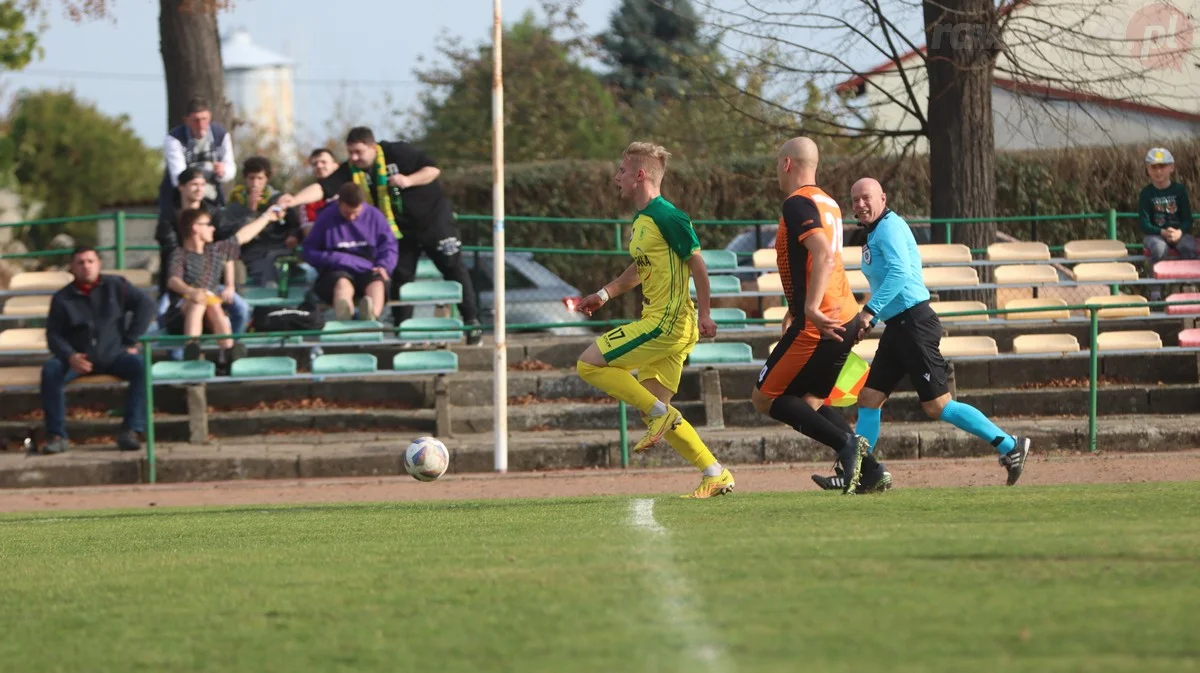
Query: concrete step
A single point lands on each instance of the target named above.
(526, 414)
(380, 453)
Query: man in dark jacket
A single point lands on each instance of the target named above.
(89, 332)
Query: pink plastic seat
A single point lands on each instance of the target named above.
(1190, 338)
(1184, 310)
(1177, 269)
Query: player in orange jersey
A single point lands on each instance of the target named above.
(820, 327)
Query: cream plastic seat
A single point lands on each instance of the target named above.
(33, 305)
(1092, 272)
(1018, 252)
(852, 257)
(1101, 248)
(770, 282)
(944, 253)
(137, 277)
(952, 346)
(1129, 340)
(1057, 309)
(1025, 274)
(765, 258)
(775, 314)
(32, 376)
(858, 281)
(25, 339)
(949, 276)
(1045, 343)
(940, 307)
(1129, 312)
(40, 280)
(866, 348)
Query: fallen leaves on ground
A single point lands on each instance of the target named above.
(1072, 382)
(530, 366)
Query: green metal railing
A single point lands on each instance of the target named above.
(121, 218)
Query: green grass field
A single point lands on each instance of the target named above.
(1095, 578)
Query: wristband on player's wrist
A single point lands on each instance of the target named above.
(603, 294)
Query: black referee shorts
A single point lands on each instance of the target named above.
(910, 347)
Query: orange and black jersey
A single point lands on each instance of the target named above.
(807, 211)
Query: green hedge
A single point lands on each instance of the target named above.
(1052, 181)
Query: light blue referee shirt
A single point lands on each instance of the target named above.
(892, 265)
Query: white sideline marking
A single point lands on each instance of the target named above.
(679, 610)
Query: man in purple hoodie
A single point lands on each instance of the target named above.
(353, 248)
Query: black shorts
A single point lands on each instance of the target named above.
(323, 288)
(910, 347)
(805, 364)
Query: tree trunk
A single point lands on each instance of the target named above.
(191, 53)
(961, 39)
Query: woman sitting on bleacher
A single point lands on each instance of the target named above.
(195, 276)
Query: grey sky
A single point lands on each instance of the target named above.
(117, 65)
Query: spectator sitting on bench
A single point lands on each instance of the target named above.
(89, 332)
(1164, 210)
(353, 249)
(188, 196)
(195, 276)
(322, 163)
(249, 200)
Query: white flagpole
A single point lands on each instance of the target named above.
(500, 385)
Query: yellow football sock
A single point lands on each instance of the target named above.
(688, 444)
(619, 384)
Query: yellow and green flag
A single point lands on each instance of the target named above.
(849, 382)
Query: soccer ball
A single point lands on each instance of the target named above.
(426, 459)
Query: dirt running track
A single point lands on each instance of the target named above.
(929, 473)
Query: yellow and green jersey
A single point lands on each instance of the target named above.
(663, 238)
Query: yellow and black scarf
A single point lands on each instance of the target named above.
(378, 182)
(239, 194)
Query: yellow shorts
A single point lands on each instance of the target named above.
(655, 354)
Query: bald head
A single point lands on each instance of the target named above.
(868, 200)
(796, 164)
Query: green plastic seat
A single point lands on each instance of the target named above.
(425, 361)
(269, 296)
(337, 325)
(718, 285)
(445, 291)
(721, 354)
(345, 363)
(728, 317)
(272, 341)
(427, 271)
(719, 260)
(431, 324)
(192, 370)
(264, 366)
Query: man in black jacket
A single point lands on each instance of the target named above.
(89, 332)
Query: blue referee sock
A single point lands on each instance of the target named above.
(868, 425)
(968, 418)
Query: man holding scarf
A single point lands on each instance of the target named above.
(402, 182)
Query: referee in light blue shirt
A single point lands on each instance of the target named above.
(910, 342)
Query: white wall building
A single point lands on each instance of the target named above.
(259, 84)
(1145, 89)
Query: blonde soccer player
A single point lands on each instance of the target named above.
(666, 254)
